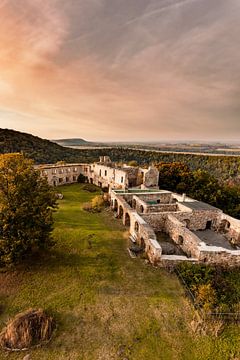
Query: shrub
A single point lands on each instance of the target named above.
(90, 188)
(96, 205)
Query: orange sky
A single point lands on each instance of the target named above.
(121, 70)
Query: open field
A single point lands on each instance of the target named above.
(107, 305)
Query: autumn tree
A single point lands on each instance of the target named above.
(26, 208)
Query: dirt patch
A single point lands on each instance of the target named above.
(27, 329)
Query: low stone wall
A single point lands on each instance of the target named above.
(197, 220)
(161, 208)
(230, 227)
(182, 236)
(213, 255)
(164, 197)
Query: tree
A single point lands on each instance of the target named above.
(26, 208)
(174, 176)
(81, 179)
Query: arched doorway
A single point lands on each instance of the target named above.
(127, 220)
(120, 214)
(180, 240)
(141, 209)
(115, 205)
(134, 203)
(224, 225)
(136, 227)
(187, 223)
(142, 243)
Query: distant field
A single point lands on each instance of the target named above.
(107, 305)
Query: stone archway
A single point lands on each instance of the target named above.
(120, 212)
(136, 227)
(127, 221)
(134, 204)
(187, 223)
(180, 240)
(142, 243)
(115, 205)
(224, 225)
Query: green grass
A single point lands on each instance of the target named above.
(107, 305)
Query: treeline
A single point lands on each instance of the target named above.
(40, 150)
(225, 168)
(200, 185)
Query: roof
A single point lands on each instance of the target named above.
(199, 205)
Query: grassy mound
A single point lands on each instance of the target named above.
(27, 329)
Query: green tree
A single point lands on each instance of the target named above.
(174, 176)
(26, 207)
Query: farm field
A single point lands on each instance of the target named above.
(107, 305)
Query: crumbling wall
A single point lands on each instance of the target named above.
(151, 177)
(197, 220)
(182, 236)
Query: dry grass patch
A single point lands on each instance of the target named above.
(27, 329)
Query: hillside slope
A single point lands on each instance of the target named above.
(41, 150)
(72, 142)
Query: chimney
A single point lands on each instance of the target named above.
(183, 197)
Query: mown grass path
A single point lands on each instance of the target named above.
(107, 305)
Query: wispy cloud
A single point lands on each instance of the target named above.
(120, 70)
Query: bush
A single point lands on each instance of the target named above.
(90, 188)
(215, 288)
(96, 205)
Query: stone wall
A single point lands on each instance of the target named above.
(197, 220)
(151, 177)
(63, 174)
(164, 197)
(161, 208)
(230, 227)
(182, 236)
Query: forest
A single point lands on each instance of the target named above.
(225, 168)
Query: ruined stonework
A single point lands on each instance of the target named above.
(104, 173)
(172, 228)
(169, 227)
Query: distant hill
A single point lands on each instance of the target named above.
(41, 150)
(72, 142)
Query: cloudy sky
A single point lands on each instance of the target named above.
(121, 69)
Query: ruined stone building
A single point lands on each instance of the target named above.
(168, 227)
(104, 173)
(172, 228)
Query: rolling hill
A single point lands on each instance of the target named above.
(72, 142)
(41, 150)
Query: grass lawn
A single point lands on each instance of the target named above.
(107, 305)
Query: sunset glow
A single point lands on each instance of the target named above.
(121, 70)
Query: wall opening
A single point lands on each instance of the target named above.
(208, 225)
(136, 227)
(180, 240)
(141, 209)
(127, 220)
(224, 225)
(120, 214)
(187, 223)
(115, 206)
(142, 243)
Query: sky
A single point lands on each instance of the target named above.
(101, 70)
